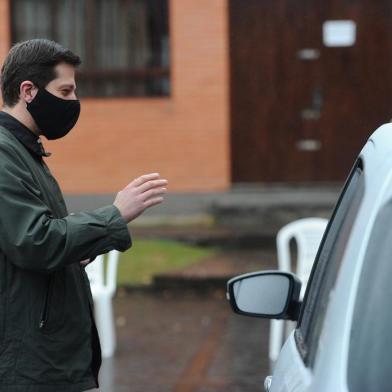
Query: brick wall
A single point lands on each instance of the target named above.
(184, 137)
(4, 29)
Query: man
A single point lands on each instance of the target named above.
(48, 339)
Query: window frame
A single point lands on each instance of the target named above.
(92, 75)
(309, 328)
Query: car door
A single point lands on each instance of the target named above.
(294, 367)
(369, 361)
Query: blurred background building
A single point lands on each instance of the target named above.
(214, 93)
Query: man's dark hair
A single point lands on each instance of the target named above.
(32, 60)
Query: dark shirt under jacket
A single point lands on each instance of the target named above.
(30, 140)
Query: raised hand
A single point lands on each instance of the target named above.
(140, 194)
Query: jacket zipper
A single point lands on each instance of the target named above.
(45, 309)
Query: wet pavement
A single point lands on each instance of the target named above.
(183, 341)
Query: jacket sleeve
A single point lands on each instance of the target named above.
(31, 238)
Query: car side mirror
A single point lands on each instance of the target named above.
(268, 294)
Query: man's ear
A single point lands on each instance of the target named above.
(27, 91)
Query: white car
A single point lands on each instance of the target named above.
(343, 336)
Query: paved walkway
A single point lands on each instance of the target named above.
(181, 337)
(185, 343)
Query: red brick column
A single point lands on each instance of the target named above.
(5, 30)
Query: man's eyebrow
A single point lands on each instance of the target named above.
(68, 85)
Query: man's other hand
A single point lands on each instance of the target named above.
(142, 193)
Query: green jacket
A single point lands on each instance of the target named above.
(48, 339)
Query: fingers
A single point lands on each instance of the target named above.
(152, 184)
(154, 193)
(144, 178)
(153, 202)
(143, 192)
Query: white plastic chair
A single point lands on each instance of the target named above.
(307, 234)
(103, 286)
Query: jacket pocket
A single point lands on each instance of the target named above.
(53, 301)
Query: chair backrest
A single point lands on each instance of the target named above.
(307, 233)
(98, 276)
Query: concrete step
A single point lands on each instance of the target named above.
(212, 236)
(240, 218)
(265, 210)
(214, 272)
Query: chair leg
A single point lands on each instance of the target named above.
(105, 325)
(276, 339)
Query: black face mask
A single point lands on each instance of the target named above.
(54, 116)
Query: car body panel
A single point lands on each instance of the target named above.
(290, 371)
(329, 372)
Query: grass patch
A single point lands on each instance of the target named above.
(138, 265)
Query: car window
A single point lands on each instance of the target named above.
(370, 354)
(327, 264)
